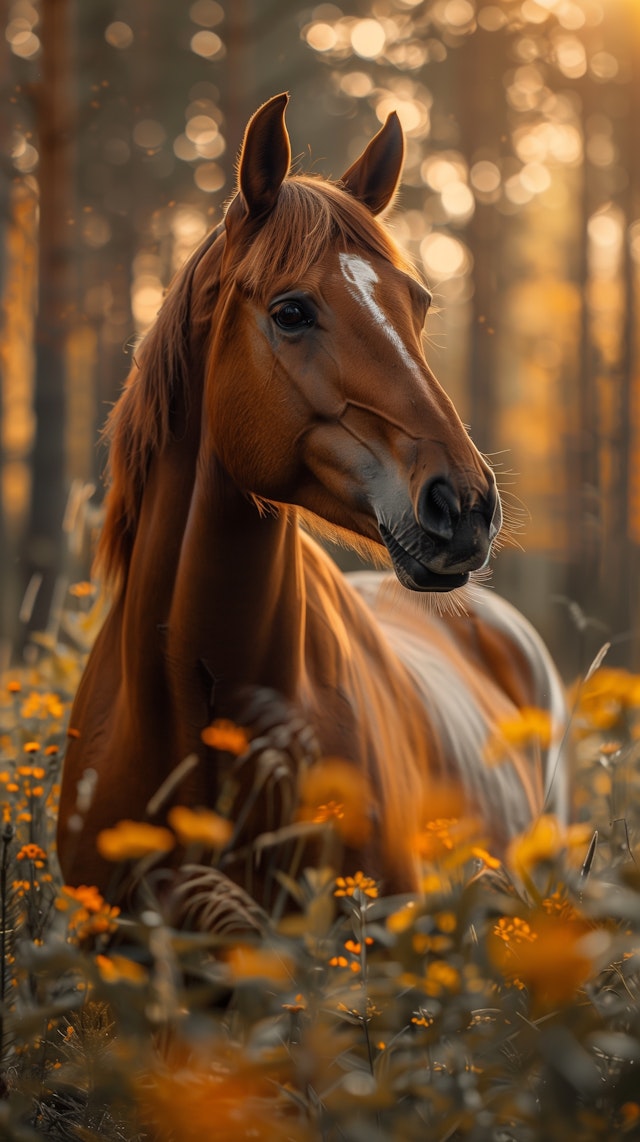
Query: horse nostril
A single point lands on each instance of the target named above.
(439, 509)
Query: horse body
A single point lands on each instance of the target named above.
(285, 378)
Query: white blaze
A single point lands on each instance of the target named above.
(361, 279)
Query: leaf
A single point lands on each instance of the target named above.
(598, 660)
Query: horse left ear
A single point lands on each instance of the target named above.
(265, 157)
(373, 177)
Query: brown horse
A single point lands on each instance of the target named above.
(285, 379)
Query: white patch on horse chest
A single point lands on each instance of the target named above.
(361, 278)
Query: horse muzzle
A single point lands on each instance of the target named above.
(436, 548)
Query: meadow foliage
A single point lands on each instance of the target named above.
(500, 1004)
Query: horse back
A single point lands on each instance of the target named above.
(425, 696)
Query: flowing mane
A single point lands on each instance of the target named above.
(140, 423)
(310, 215)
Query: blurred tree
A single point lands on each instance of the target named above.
(520, 201)
(5, 213)
(56, 134)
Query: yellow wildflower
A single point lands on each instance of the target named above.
(86, 895)
(441, 976)
(33, 853)
(82, 590)
(227, 1095)
(402, 919)
(130, 840)
(446, 921)
(487, 859)
(117, 969)
(355, 947)
(38, 705)
(332, 811)
(247, 962)
(448, 841)
(349, 885)
(543, 841)
(422, 1019)
(91, 915)
(335, 792)
(199, 827)
(226, 736)
(552, 956)
(529, 726)
(605, 696)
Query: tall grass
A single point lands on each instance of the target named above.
(502, 1004)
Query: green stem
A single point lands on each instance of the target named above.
(7, 837)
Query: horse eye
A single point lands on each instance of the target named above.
(292, 315)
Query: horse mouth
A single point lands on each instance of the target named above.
(415, 575)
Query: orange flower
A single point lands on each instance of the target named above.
(545, 840)
(91, 915)
(130, 840)
(38, 705)
(87, 895)
(402, 919)
(359, 883)
(604, 698)
(13, 686)
(486, 858)
(422, 1020)
(226, 1096)
(226, 736)
(82, 590)
(34, 853)
(552, 956)
(120, 969)
(441, 977)
(530, 726)
(335, 792)
(199, 827)
(31, 747)
(247, 962)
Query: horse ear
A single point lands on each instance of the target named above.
(265, 157)
(373, 177)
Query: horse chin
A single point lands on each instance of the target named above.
(415, 577)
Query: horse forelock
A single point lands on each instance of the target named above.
(311, 215)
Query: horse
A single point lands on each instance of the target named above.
(284, 391)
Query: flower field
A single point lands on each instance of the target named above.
(500, 1004)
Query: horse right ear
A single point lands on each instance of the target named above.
(374, 176)
(264, 159)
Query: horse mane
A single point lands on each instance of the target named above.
(139, 424)
(310, 213)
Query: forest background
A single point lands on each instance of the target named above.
(119, 127)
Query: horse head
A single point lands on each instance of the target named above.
(319, 362)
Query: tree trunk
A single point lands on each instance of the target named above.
(56, 127)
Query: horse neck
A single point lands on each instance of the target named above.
(213, 595)
(237, 611)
